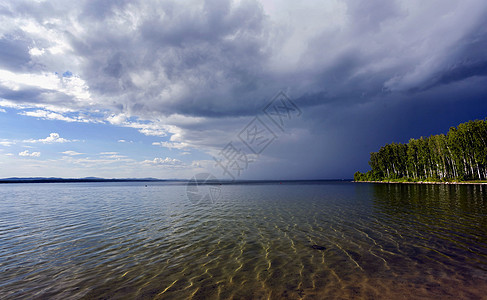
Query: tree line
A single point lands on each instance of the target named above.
(459, 155)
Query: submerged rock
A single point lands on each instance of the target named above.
(317, 247)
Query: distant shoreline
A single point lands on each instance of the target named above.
(423, 182)
(67, 180)
(148, 180)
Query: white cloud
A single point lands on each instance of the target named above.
(3, 110)
(43, 106)
(73, 86)
(17, 81)
(171, 145)
(113, 155)
(164, 161)
(71, 153)
(11, 104)
(153, 132)
(150, 129)
(49, 115)
(117, 156)
(52, 138)
(117, 119)
(6, 143)
(94, 163)
(26, 153)
(36, 51)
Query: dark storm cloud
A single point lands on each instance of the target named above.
(215, 58)
(194, 59)
(464, 71)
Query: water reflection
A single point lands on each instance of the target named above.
(455, 212)
(438, 231)
(431, 198)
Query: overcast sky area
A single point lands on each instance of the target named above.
(239, 89)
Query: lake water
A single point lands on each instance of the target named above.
(334, 240)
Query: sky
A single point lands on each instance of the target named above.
(237, 89)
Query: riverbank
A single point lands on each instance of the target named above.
(426, 182)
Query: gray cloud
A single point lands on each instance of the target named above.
(216, 58)
(32, 95)
(219, 62)
(17, 52)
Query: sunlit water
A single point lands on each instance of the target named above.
(255, 241)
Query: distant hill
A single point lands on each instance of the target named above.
(85, 179)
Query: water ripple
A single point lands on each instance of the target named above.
(97, 241)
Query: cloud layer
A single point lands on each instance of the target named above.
(196, 72)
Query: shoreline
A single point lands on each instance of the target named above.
(423, 182)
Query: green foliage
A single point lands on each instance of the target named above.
(459, 155)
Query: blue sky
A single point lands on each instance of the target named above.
(169, 89)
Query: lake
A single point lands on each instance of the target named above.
(311, 240)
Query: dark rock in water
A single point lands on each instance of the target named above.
(316, 247)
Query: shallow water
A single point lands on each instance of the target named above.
(336, 240)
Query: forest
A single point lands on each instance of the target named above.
(460, 155)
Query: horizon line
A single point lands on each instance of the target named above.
(147, 179)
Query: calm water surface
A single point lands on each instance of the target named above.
(119, 240)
